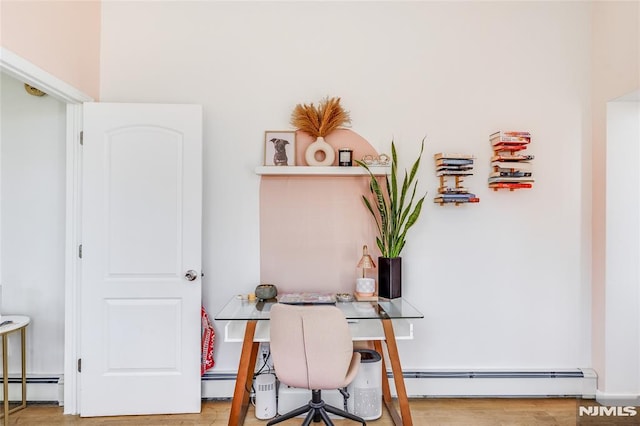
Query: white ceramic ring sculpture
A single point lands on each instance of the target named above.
(320, 145)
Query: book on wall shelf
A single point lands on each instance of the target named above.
(442, 200)
(451, 169)
(510, 137)
(454, 167)
(450, 190)
(449, 156)
(495, 179)
(508, 157)
(510, 174)
(509, 185)
(454, 162)
(452, 172)
(508, 148)
(510, 168)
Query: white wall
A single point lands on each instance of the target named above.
(622, 302)
(32, 150)
(615, 71)
(501, 283)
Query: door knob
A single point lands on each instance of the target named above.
(191, 275)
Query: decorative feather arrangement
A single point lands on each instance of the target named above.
(321, 120)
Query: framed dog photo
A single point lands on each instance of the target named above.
(280, 148)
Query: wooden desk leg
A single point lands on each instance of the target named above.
(5, 379)
(244, 379)
(396, 367)
(23, 337)
(386, 391)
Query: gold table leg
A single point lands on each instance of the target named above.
(23, 347)
(5, 374)
(5, 380)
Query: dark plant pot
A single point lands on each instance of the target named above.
(390, 277)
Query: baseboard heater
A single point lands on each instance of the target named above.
(491, 374)
(577, 373)
(423, 383)
(33, 380)
(502, 383)
(457, 383)
(39, 389)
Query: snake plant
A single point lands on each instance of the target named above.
(394, 211)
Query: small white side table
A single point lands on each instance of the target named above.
(18, 323)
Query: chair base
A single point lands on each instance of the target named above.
(317, 411)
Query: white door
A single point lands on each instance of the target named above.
(141, 259)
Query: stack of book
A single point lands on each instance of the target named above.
(455, 166)
(511, 167)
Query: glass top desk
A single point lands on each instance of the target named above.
(368, 321)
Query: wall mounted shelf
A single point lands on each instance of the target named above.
(453, 167)
(321, 171)
(511, 167)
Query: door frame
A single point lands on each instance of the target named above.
(23, 70)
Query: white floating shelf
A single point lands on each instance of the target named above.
(321, 171)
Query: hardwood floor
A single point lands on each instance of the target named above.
(428, 411)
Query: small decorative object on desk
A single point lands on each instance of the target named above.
(344, 297)
(319, 122)
(361, 298)
(366, 287)
(307, 298)
(510, 166)
(266, 291)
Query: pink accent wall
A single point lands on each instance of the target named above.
(312, 228)
(61, 37)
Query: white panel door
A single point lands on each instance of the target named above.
(141, 259)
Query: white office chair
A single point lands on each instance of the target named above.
(312, 349)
